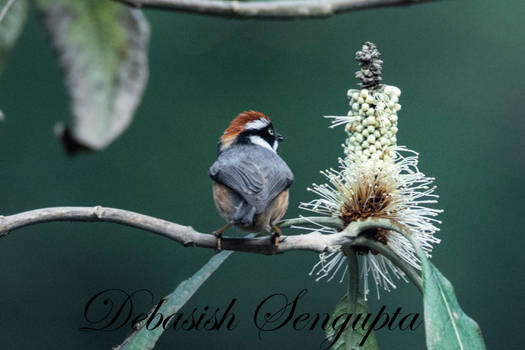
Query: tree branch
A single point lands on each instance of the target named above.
(188, 237)
(276, 9)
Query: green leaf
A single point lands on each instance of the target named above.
(11, 27)
(144, 339)
(447, 327)
(102, 47)
(333, 329)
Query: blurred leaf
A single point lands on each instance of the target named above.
(447, 326)
(11, 27)
(103, 50)
(144, 339)
(359, 333)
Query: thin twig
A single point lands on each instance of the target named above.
(387, 252)
(308, 220)
(277, 9)
(186, 235)
(5, 9)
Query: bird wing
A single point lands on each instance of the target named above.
(257, 174)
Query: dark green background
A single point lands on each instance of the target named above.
(460, 67)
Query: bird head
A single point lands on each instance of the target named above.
(251, 127)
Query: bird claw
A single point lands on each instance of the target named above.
(275, 240)
(276, 236)
(218, 235)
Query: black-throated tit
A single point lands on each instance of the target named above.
(251, 180)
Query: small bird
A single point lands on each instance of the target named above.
(251, 181)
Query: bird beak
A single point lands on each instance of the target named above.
(280, 138)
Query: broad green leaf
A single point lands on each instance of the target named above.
(11, 27)
(102, 47)
(447, 327)
(337, 320)
(144, 339)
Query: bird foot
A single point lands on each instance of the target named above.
(218, 235)
(276, 235)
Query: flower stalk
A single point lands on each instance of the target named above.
(353, 290)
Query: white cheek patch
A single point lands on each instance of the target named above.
(275, 145)
(257, 124)
(261, 142)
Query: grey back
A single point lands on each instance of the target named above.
(256, 173)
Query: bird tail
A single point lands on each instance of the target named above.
(244, 214)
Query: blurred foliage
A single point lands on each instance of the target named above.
(358, 321)
(11, 27)
(102, 48)
(144, 338)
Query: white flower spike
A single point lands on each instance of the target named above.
(376, 179)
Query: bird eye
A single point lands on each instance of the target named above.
(270, 131)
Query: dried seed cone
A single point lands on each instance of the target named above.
(371, 66)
